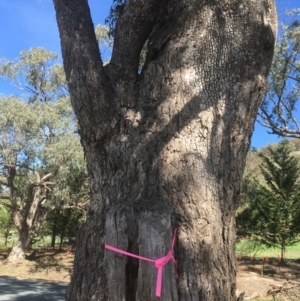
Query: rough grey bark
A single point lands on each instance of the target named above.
(166, 147)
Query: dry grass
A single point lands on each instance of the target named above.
(46, 265)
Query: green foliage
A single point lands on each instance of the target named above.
(6, 224)
(271, 209)
(102, 34)
(37, 136)
(38, 73)
(253, 161)
(5, 216)
(104, 40)
(249, 247)
(143, 56)
(63, 224)
(252, 247)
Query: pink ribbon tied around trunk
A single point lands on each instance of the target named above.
(159, 263)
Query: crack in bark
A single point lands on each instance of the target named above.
(132, 267)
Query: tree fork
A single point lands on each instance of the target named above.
(165, 148)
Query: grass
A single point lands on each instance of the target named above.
(42, 242)
(250, 248)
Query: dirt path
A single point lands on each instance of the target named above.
(255, 285)
(250, 280)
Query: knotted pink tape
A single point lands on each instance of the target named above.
(159, 263)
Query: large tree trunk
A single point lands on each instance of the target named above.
(27, 228)
(166, 148)
(28, 222)
(18, 250)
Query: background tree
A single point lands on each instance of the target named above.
(278, 110)
(62, 224)
(273, 207)
(166, 145)
(6, 222)
(40, 155)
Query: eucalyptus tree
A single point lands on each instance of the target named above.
(278, 110)
(39, 152)
(166, 145)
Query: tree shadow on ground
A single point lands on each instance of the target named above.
(12, 289)
(50, 260)
(40, 262)
(288, 270)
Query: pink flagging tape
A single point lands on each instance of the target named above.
(159, 263)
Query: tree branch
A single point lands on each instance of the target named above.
(46, 177)
(133, 28)
(293, 65)
(42, 216)
(42, 181)
(39, 195)
(26, 166)
(88, 84)
(276, 129)
(37, 176)
(294, 78)
(79, 206)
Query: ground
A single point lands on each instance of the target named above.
(40, 264)
(257, 279)
(55, 265)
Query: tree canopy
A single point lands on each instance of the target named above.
(41, 159)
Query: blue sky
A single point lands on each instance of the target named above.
(32, 23)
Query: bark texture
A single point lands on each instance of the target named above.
(166, 147)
